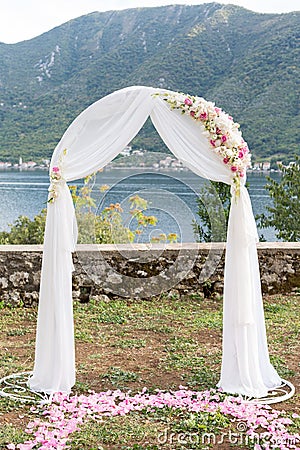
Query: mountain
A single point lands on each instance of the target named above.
(246, 62)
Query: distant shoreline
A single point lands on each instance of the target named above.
(141, 168)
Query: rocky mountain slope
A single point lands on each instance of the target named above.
(246, 62)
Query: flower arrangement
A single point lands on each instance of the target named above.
(55, 174)
(223, 134)
(55, 178)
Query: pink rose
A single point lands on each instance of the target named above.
(234, 168)
(218, 110)
(203, 116)
(192, 113)
(224, 138)
(226, 160)
(55, 169)
(218, 131)
(242, 174)
(241, 155)
(188, 101)
(213, 143)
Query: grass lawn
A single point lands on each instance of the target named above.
(159, 344)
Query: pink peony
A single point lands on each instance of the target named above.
(188, 101)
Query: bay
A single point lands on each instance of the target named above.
(171, 195)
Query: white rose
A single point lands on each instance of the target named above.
(229, 153)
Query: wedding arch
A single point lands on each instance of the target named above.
(211, 145)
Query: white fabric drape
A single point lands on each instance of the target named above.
(93, 140)
(246, 365)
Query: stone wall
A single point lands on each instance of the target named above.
(142, 271)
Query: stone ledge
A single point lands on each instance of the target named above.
(175, 246)
(178, 267)
(278, 245)
(20, 248)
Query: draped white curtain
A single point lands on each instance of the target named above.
(93, 140)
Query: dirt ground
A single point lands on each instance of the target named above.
(146, 349)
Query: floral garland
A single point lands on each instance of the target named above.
(56, 178)
(223, 133)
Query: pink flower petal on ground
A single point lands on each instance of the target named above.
(26, 446)
(67, 415)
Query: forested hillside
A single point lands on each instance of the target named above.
(247, 63)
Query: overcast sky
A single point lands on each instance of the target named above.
(25, 19)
